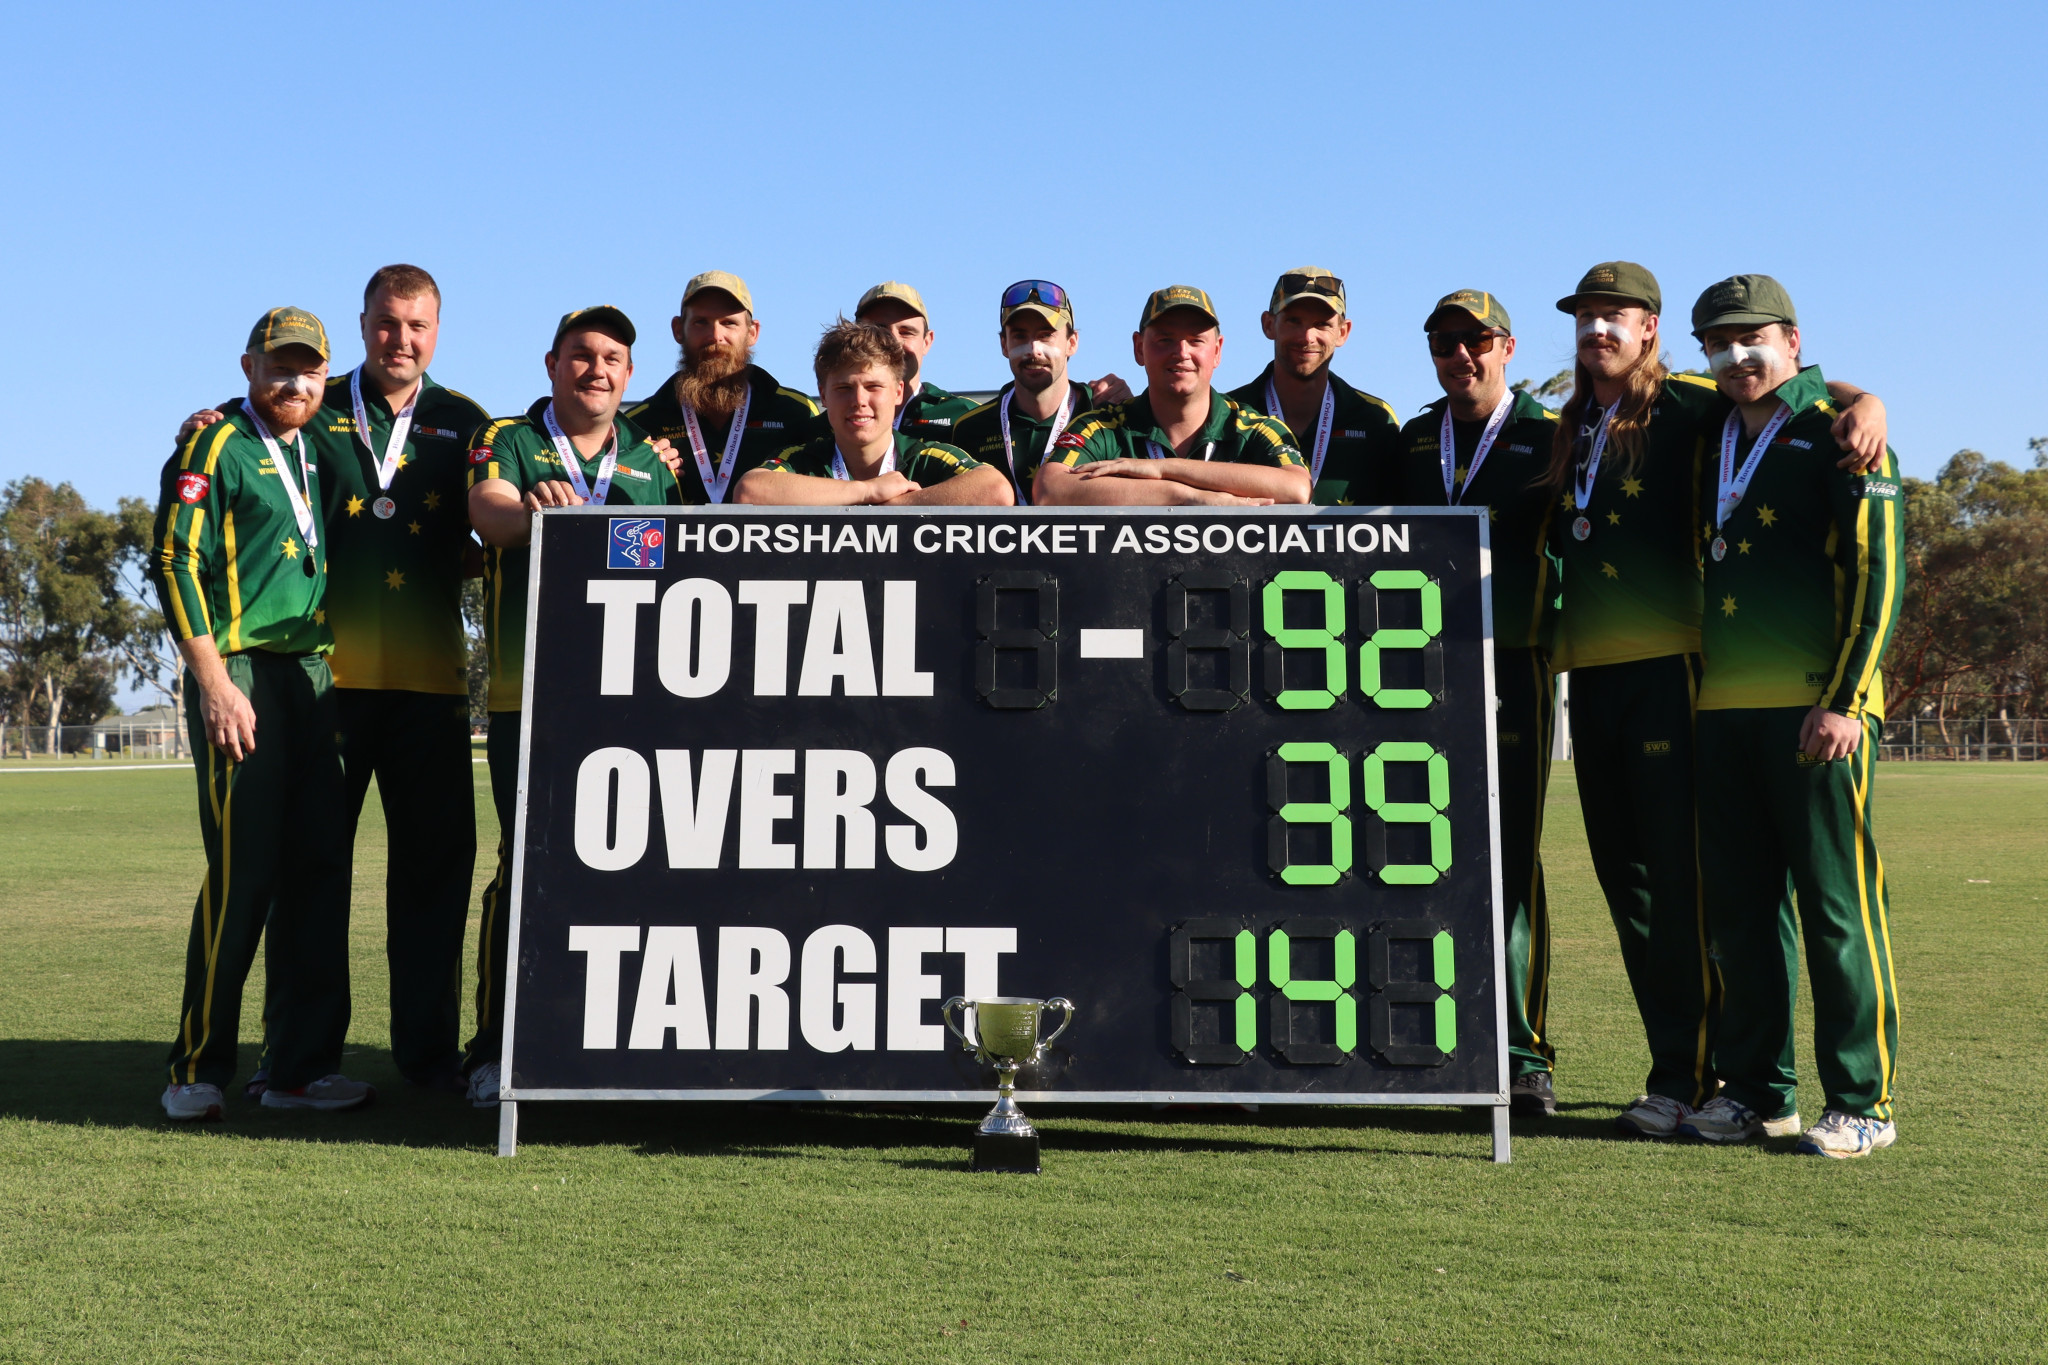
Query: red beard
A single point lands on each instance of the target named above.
(714, 381)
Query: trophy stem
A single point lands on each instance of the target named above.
(1006, 1141)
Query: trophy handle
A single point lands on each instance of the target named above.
(946, 1013)
(1065, 1005)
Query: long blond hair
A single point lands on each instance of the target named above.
(1641, 386)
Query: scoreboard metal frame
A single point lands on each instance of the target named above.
(1256, 646)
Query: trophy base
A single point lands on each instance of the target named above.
(1014, 1153)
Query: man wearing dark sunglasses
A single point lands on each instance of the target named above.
(1179, 441)
(1484, 445)
(1349, 438)
(1015, 431)
(928, 412)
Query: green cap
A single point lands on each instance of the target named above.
(604, 318)
(892, 289)
(721, 280)
(1484, 308)
(1308, 282)
(1616, 280)
(1177, 296)
(1743, 300)
(288, 327)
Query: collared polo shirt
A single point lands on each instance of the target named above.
(1365, 443)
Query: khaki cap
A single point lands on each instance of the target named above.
(1743, 300)
(892, 289)
(288, 327)
(1056, 314)
(1177, 296)
(1616, 280)
(603, 318)
(1484, 308)
(721, 280)
(1307, 282)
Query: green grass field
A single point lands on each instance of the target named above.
(703, 1232)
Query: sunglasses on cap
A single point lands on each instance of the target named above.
(1036, 291)
(1476, 341)
(1329, 286)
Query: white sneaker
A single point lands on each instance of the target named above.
(1721, 1119)
(329, 1092)
(1653, 1116)
(483, 1086)
(1845, 1135)
(188, 1103)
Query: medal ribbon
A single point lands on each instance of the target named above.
(1589, 468)
(401, 427)
(301, 512)
(1059, 424)
(839, 464)
(729, 460)
(1734, 482)
(1324, 421)
(1447, 449)
(567, 450)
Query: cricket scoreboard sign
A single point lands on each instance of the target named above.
(792, 778)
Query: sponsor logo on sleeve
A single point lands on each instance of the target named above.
(638, 543)
(1068, 441)
(192, 486)
(481, 455)
(1880, 488)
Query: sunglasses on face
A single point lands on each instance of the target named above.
(1477, 341)
(1329, 286)
(1035, 291)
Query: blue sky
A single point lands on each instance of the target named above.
(174, 171)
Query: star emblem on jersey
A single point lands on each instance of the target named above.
(1632, 486)
(1614, 518)
(394, 579)
(291, 548)
(1609, 570)
(413, 527)
(1767, 516)
(1742, 547)
(355, 506)
(433, 501)
(1728, 605)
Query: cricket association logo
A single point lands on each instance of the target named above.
(638, 543)
(192, 487)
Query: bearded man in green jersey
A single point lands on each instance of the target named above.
(240, 568)
(927, 411)
(1624, 467)
(1179, 441)
(866, 461)
(720, 410)
(1485, 445)
(1015, 431)
(569, 449)
(1804, 568)
(1350, 439)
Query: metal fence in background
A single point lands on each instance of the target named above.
(110, 739)
(1981, 740)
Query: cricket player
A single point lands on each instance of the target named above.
(570, 448)
(239, 564)
(866, 460)
(927, 411)
(1349, 439)
(1483, 445)
(1180, 441)
(1804, 569)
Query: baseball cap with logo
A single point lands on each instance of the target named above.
(1616, 280)
(603, 318)
(1177, 296)
(1743, 300)
(1484, 308)
(1308, 282)
(288, 327)
(892, 289)
(720, 280)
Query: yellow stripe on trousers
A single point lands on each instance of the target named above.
(224, 816)
(1880, 969)
(1535, 991)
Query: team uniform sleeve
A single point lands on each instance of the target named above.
(935, 462)
(1089, 439)
(187, 528)
(1268, 442)
(1870, 557)
(490, 455)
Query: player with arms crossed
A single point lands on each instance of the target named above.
(1484, 445)
(1624, 466)
(239, 566)
(1804, 571)
(865, 460)
(1179, 441)
(1350, 439)
(570, 448)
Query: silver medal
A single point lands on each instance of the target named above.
(1719, 549)
(385, 508)
(1581, 528)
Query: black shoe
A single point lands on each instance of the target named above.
(1531, 1096)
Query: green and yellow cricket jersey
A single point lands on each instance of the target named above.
(1510, 486)
(1365, 443)
(1234, 434)
(1805, 597)
(394, 585)
(980, 434)
(930, 414)
(776, 417)
(228, 558)
(922, 462)
(1632, 586)
(517, 450)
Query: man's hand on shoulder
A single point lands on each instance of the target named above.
(1109, 389)
(667, 454)
(1862, 431)
(199, 421)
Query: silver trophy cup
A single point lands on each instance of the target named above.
(1006, 1034)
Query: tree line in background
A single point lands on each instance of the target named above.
(78, 618)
